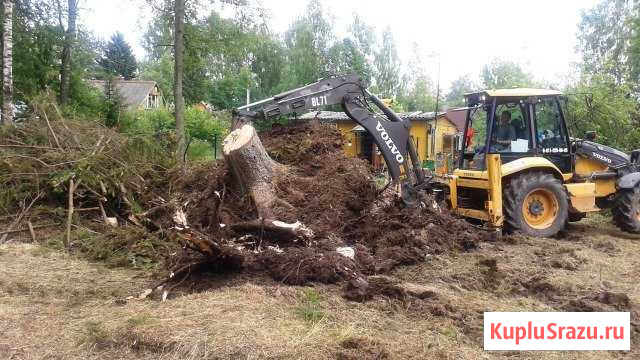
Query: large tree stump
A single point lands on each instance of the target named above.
(255, 173)
(252, 167)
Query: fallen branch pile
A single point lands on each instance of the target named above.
(92, 172)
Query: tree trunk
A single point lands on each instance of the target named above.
(178, 49)
(7, 64)
(67, 49)
(252, 167)
(256, 172)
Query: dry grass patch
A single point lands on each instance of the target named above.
(54, 305)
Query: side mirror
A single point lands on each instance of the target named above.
(590, 135)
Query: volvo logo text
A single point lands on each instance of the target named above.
(389, 142)
(603, 158)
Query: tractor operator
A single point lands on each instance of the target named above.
(505, 132)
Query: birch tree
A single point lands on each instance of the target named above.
(7, 64)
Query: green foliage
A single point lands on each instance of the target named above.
(123, 247)
(604, 34)
(118, 59)
(307, 42)
(160, 70)
(37, 46)
(88, 102)
(147, 122)
(387, 67)
(345, 58)
(460, 86)
(418, 93)
(199, 151)
(230, 91)
(202, 125)
(602, 105)
(97, 156)
(606, 97)
(203, 129)
(504, 74)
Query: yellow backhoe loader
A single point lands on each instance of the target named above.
(519, 168)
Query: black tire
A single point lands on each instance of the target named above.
(626, 211)
(527, 187)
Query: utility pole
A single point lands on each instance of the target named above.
(435, 114)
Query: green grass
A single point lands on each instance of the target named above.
(311, 309)
(95, 333)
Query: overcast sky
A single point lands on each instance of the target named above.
(459, 35)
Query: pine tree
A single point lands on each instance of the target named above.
(118, 58)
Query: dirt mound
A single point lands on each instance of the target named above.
(356, 232)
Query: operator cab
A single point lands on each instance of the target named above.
(515, 123)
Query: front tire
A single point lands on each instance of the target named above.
(535, 203)
(626, 212)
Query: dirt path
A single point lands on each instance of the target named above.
(55, 306)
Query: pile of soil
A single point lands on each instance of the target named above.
(357, 230)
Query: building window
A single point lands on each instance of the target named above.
(152, 101)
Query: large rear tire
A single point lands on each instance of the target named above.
(626, 211)
(535, 203)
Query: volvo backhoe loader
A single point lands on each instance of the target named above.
(540, 178)
(534, 182)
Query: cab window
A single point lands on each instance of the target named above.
(510, 129)
(550, 133)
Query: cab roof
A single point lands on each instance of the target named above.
(517, 92)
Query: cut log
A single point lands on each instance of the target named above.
(252, 168)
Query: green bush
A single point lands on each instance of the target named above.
(599, 104)
(200, 151)
(202, 125)
(147, 122)
(199, 124)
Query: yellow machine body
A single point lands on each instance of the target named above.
(582, 195)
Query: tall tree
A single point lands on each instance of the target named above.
(69, 41)
(307, 42)
(354, 52)
(460, 86)
(504, 74)
(363, 35)
(118, 58)
(604, 33)
(7, 63)
(418, 92)
(178, 53)
(387, 66)
(345, 57)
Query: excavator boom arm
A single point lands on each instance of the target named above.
(389, 132)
